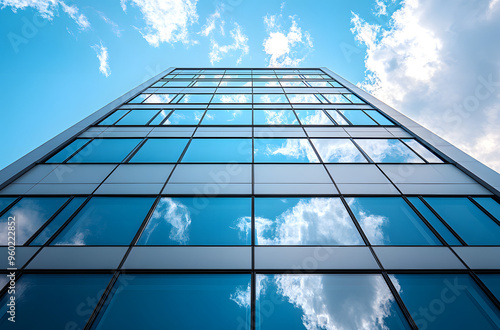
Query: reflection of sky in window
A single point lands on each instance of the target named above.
(106, 221)
(338, 151)
(358, 117)
(173, 83)
(422, 151)
(160, 98)
(67, 151)
(159, 118)
(492, 281)
(196, 98)
(160, 151)
(275, 117)
(5, 201)
(337, 117)
(463, 305)
(232, 98)
(468, 221)
(137, 117)
(333, 301)
(197, 221)
(353, 98)
(490, 205)
(30, 214)
(382, 120)
(111, 119)
(390, 221)
(105, 151)
(140, 98)
(336, 98)
(52, 300)
(313, 117)
(201, 83)
(292, 84)
(227, 117)
(184, 117)
(229, 83)
(219, 301)
(219, 150)
(303, 221)
(303, 98)
(270, 98)
(272, 83)
(284, 150)
(388, 151)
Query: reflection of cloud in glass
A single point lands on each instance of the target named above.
(160, 98)
(338, 151)
(310, 221)
(388, 151)
(279, 117)
(298, 149)
(231, 98)
(303, 98)
(176, 215)
(313, 117)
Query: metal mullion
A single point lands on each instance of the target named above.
(114, 123)
(361, 150)
(485, 211)
(102, 300)
(485, 289)
(416, 153)
(74, 153)
(8, 207)
(356, 223)
(329, 117)
(399, 301)
(134, 151)
(149, 121)
(442, 220)
(345, 118)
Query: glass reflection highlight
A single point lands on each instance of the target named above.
(284, 150)
(388, 151)
(313, 117)
(275, 117)
(338, 151)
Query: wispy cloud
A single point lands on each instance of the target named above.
(48, 9)
(285, 47)
(440, 69)
(212, 20)
(102, 55)
(116, 29)
(166, 20)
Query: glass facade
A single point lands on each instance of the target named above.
(249, 199)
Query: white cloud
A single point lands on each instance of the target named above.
(116, 29)
(166, 20)
(440, 69)
(48, 9)
(285, 48)
(240, 43)
(210, 25)
(102, 55)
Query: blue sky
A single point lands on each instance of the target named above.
(63, 60)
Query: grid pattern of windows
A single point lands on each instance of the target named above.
(252, 199)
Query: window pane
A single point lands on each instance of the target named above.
(196, 98)
(313, 117)
(284, 150)
(492, 282)
(140, 98)
(379, 118)
(168, 300)
(390, 221)
(173, 83)
(181, 221)
(30, 214)
(275, 117)
(451, 301)
(229, 83)
(227, 117)
(303, 221)
(106, 221)
(62, 155)
(137, 117)
(184, 117)
(293, 84)
(160, 151)
(105, 151)
(232, 98)
(58, 221)
(269, 98)
(160, 98)
(357, 117)
(110, 120)
(337, 117)
(353, 98)
(338, 151)
(201, 83)
(473, 226)
(434, 221)
(422, 151)
(333, 301)
(336, 98)
(54, 301)
(5, 201)
(388, 151)
(266, 83)
(219, 150)
(303, 98)
(489, 205)
(161, 116)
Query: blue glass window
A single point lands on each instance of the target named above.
(313, 117)
(390, 221)
(336, 98)
(232, 98)
(105, 151)
(304, 98)
(184, 117)
(106, 221)
(160, 151)
(199, 221)
(62, 155)
(358, 117)
(330, 301)
(304, 221)
(140, 98)
(269, 98)
(237, 83)
(137, 117)
(489, 205)
(284, 151)
(217, 301)
(451, 301)
(160, 98)
(353, 98)
(275, 117)
(338, 151)
(337, 117)
(378, 117)
(5, 201)
(173, 83)
(227, 117)
(201, 83)
(111, 119)
(434, 221)
(219, 151)
(467, 220)
(58, 221)
(160, 117)
(293, 84)
(30, 213)
(54, 301)
(388, 151)
(492, 282)
(196, 98)
(422, 151)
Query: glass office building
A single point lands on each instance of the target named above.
(249, 199)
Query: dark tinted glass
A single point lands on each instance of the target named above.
(160, 151)
(105, 151)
